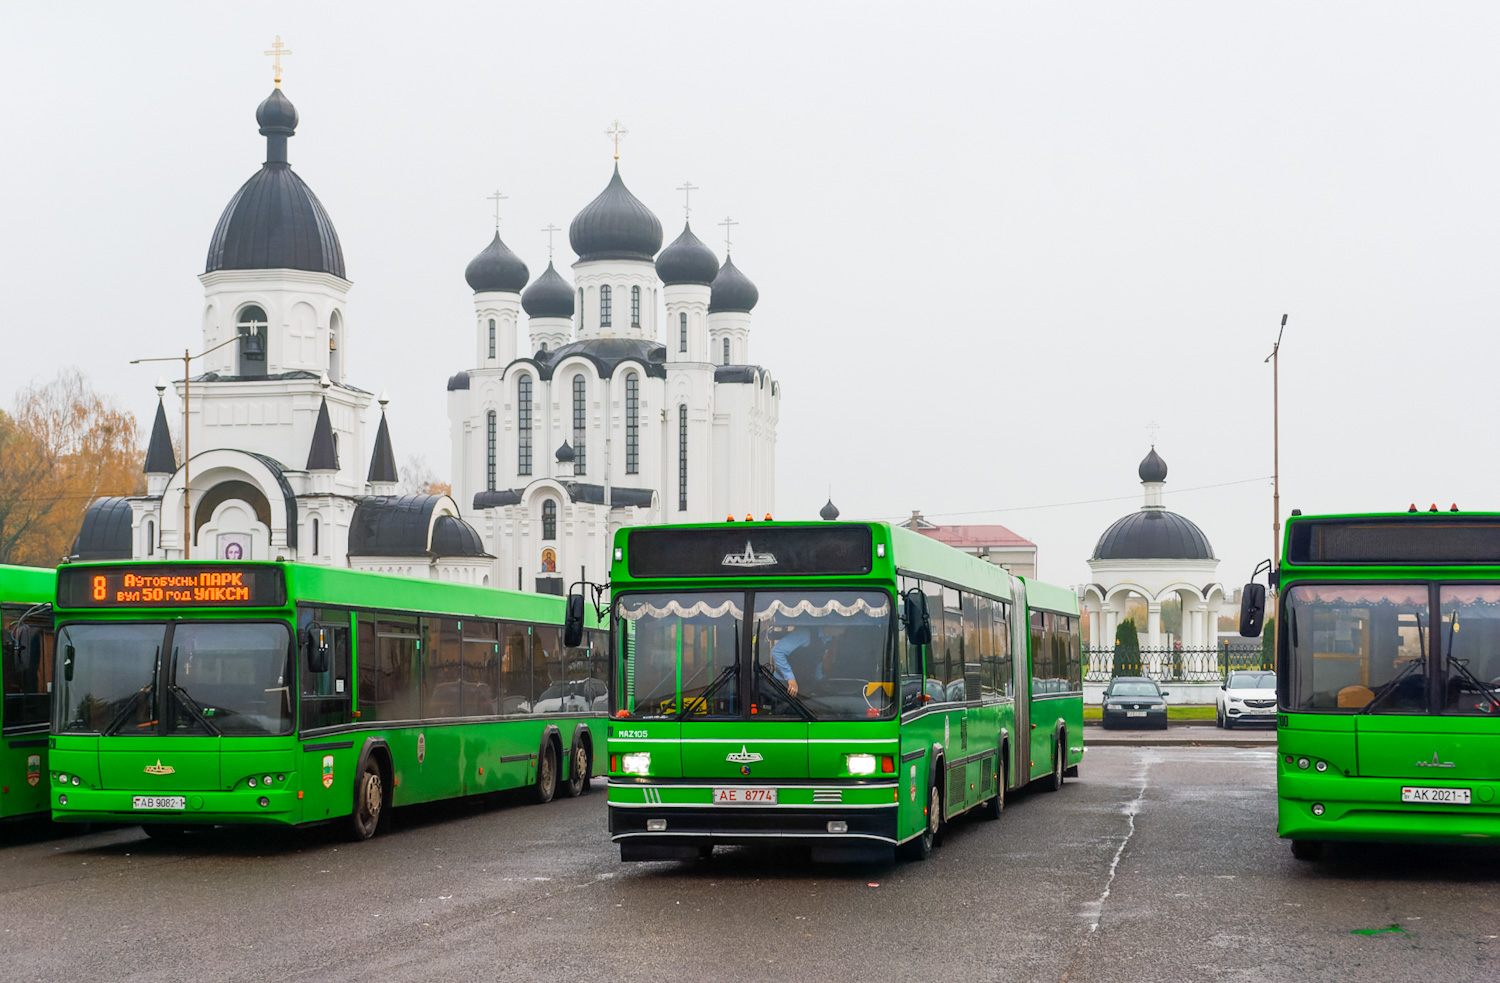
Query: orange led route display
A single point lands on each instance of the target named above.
(164, 586)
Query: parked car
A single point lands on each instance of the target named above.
(1246, 696)
(1134, 700)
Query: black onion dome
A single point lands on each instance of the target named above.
(732, 291)
(565, 454)
(1153, 468)
(276, 115)
(1153, 534)
(615, 225)
(496, 268)
(829, 512)
(549, 296)
(687, 260)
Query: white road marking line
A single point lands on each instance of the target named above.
(1095, 909)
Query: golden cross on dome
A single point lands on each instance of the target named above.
(687, 188)
(549, 230)
(277, 50)
(728, 224)
(616, 132)
(497, 198)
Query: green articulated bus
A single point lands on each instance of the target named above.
(852, 686)
(26, 673)
(1388, 678)
(194, 693)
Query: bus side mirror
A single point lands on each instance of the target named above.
(918, 627)
(1252, 610)
(573, 624)
(68, 653)
(317, 650)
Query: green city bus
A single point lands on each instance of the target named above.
(199, 693)
(26, 674)
(1388, 678)
(851, 686)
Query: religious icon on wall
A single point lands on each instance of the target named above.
(549, 561)
(234, 546)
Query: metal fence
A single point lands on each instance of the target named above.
(1196, 665)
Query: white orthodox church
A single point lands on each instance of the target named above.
(629, 398)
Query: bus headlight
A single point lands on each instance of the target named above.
(861, 764)
(636, 763)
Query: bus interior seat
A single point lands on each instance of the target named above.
(1355, 696)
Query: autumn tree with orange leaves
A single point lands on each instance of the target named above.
(62, 447)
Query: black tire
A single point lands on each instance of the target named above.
(1055, 780)
(546, 775)
(1218, 717)
(369, 801)
(1307, 850)
(920, 847)
(994, 808)
(1228, 723)
(166, 832)
(578, 770)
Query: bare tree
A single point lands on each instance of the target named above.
(416, 478)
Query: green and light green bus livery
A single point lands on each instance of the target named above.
(1388, 678)
(848, 685)
(197, 693)
(26, 674)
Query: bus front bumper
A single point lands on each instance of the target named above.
(1311, 807)
(71, 804)
(686, 814)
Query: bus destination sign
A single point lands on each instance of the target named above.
(167, 586)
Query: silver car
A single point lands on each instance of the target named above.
(1246, 696)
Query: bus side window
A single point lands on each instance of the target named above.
(366, 667)
(936, 685)
(324, 639)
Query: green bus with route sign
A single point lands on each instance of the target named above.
(26, 676)
(851, 686)
(1388, 678)
(201, 693)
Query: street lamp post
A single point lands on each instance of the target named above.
(1276, 447)
(187, 513)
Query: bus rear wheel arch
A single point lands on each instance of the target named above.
(371, 797)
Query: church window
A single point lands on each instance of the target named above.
(682, 472)
(489, 437)
(580, 420)
(315, 537)
(632, 423)
(492, 337)
(544, 346)
(682, 332)
(150, 538)
(580, 308)
(604, 306)
(252, 329)
(523, 424)
(635, 307)
(726, 351)
(549, 519)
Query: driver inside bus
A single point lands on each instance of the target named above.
(800, 638)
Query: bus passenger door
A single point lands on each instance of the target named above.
(326, 761)
(1020, 684)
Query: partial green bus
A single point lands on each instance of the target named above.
(199, 693)
(26, 676)
(1388, 678)
(845, 685)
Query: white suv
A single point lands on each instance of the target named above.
(1246, 695)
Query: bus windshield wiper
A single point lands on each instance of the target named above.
(797, 704)
(1462, 665)
(1390, 687)
(197, 712)
(125, 711)
(692, 703)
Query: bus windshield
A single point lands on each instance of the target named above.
(813, 654)
(199, 678)
(1358, 648)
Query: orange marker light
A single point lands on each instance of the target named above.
(768, 517)
(299, 793)
(729, 519)
(751, 518)
(1453, 507)
(1434, 507)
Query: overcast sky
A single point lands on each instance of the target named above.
(993, 242)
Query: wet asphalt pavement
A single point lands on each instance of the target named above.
(1158, 863)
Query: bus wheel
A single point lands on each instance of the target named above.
(546, 774)
(994, 807)
(164, 831)
(369, 801)
(920, 848)
(578, 771)
(1307, 849)
(1055, 782)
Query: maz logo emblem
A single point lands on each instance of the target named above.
(1435, 763)
(743, 756)
(159, 769)
(749, 558)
